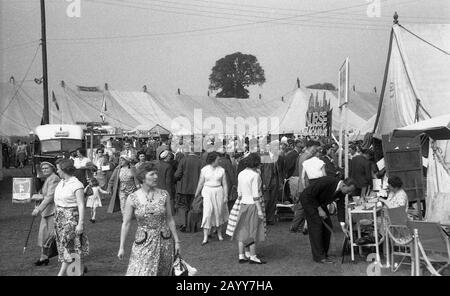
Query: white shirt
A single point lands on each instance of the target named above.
(313, 168)
(249, 186)
(65, 192)
(80, 162)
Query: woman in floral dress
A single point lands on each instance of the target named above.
(156, 241)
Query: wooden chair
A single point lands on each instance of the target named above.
(399, 238)
(433, 244)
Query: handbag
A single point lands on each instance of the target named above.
(49, 248)
(181, 268)
(197, 204)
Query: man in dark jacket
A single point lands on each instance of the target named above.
(360, 170)
(269, 176)
(186, 175)
(327, 157)
(165, 175)
(315, 199)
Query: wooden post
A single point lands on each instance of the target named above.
(46, 115)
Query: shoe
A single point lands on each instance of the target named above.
(220, 238)
(326, 261)
(331, 257)
(183, 228)
(41, 262)
(243, 260)
(305, 231)
(291, 229)
(92, 220)
(256, 262)
(204, 243)
(270, 223)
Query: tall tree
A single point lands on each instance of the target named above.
(325, 85)
(233, 73)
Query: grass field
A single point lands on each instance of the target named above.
(285, 252)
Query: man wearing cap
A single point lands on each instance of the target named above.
(165, 175)
(161, 148)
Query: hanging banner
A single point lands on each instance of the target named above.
(343, 83)
(22, 188)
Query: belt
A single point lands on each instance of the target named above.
(213, 186)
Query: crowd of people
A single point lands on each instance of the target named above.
(214, 190)
(15, 154)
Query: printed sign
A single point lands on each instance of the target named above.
(318, 116)
(343, 83)
(22, 189)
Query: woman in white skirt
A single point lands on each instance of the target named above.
(246, 223)
(213, 188)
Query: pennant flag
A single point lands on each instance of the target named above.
(104, 109)
(54, 100)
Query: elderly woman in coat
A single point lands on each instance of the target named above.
(46, 209)
(122, 183)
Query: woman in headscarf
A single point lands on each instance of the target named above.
(122, 183)
(46, 209)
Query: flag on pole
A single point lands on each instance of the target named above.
(104, 109)
(54, 100)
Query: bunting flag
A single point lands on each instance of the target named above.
(54, 100)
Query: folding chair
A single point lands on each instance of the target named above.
(284, 209)
(398, 237)
(433, 244)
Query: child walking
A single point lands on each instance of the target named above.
(94, 199)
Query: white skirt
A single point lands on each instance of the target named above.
(215, 208)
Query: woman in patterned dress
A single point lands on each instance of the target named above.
(156, 237)
(121, 184)
(69, 216)
(397, 197)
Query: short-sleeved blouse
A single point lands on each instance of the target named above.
(65, 192)
(249, 186)
(398, 199)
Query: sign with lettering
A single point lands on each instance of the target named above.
(22, 189)
(61, 134)
(318, 116)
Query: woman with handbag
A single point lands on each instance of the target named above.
(246, 223)
(213, 187)
(69, 219)
(156, 237)
(46, 209)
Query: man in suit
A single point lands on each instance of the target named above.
(315, 199)
(361, 171)
(291, 159)
(269, 176)
(187, 175)
(165, 175)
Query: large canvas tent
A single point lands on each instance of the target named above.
(292, 112)
(416, 86)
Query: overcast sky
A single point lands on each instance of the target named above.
(174, 43)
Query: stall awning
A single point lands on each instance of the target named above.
(438, 128)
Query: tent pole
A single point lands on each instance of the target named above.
(383, 87)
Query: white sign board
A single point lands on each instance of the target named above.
(22, 189)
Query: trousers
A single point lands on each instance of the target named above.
(319, 235)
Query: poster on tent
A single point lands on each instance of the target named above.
(318, 116)
(22, 190)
